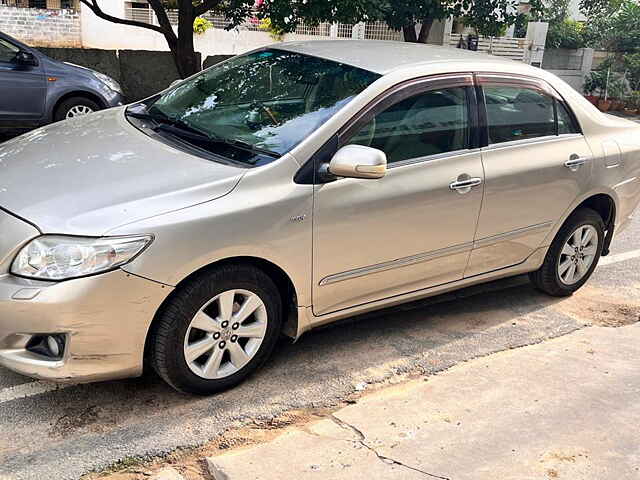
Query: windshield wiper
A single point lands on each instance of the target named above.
(164, 121)
(247, 146)
(182, 130)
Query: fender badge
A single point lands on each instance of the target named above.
(298, 218)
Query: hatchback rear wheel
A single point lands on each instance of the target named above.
(572, 256)
(217, 329)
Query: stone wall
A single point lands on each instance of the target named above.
(141, 73)
(42, 27)
(570, 65)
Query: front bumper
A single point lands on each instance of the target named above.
(105, 319)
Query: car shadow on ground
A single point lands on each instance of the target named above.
(340, 352)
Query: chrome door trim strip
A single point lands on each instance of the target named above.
(400, 262)
(435, 156)
(531, 141)
(487, 241)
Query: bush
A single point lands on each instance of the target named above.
(631, 62)
(565, 34)
(634, 99)
(201, 25)
(595, 82)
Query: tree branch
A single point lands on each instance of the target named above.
(95, 8)
(163, 20)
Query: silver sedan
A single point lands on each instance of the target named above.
(290, 187)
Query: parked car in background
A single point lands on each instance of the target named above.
(290, 187)
(36, 90)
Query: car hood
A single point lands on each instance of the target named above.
(88, 175)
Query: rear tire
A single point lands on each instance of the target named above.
(207, 311)
(572, 256)
(75, 107)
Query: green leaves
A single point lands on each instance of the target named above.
(489, 17)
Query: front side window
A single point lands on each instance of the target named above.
(517, 113)
(268, 100)
(429, 123)
(8, 51)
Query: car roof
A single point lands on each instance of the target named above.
(382, 56)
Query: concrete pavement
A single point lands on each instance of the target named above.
(567, 408)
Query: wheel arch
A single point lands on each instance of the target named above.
(282, 280)
(76, 93)
(603, 202)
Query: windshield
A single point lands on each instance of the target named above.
(268, 100)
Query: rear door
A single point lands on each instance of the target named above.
(536, 163)
(23, 88)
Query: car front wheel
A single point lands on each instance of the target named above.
(75, 107)
(217, 329)
(572, 256)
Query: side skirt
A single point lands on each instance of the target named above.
(308, 321)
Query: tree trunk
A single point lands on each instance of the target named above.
(184, 52)
(409, 32)
(410, 35)
(427, 23)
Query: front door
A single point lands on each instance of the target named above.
(536, 164)
(23, 88)
(413, 228)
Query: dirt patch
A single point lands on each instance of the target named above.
(594, 306)
(190, 463)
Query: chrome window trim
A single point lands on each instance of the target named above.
(436, 156)
(392, 264)
(529, 141)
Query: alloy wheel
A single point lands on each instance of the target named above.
(578, 254)
(225, 334)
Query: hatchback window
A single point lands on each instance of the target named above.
(517, 113)
(430, 123)
(8, 51)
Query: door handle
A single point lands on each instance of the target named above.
(575, 162)
(464, 186)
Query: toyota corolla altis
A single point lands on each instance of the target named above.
(290, 187)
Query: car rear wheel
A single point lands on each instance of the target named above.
(75, 107)
(217, 329)
(573, 255)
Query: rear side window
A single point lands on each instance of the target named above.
(518, 113)
(566, 122)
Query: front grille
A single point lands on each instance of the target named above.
(13, 234)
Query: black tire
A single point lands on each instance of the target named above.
(167, 337)
(547, 279)
(65, 106)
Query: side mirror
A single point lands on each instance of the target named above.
(358, 161)
(26, 59)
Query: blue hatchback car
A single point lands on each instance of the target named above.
(36, 90)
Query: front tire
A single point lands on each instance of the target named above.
(572, 256)
(75, 107)
(217, 329)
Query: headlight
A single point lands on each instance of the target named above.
(58, 257)
(108, 81)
